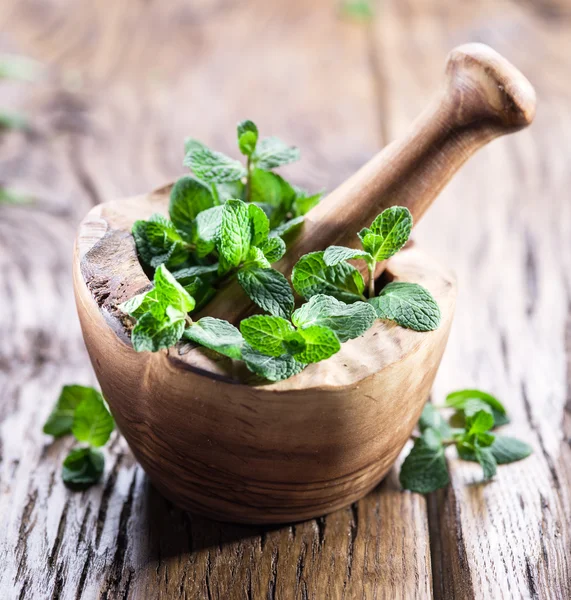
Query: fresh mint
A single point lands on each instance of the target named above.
(247, 137)
(213, 167)
(235, 235)
(272, 152)
(158, 242)
(425, 470)
(272, 368)
(470, 401)
(269, 289)
(313, 344)
(81, 410)
(266, 333)
(216, 334)
(189, 197)
(388, 233)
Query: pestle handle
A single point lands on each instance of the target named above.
(483, 97)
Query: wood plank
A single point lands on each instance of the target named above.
(127, 80)
(504, 225)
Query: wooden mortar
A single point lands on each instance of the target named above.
(217, 441)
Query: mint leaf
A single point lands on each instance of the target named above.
(269, 289)
(273, 248)
(431, 418)
(337, 254)
(170, 292)
(312, 276)
(259, 223)
(191, 145)
(151, 334)
(273, 368)
(507, 450)
(92, 422)
(230, 190)
(256, 258)
(82, 468)
(272, 152)
(213, 167)
(485, 457)
(247, 137)
(189, 274)
(303, 202)
(459, 398)
(388, 233)
(481, 422)
(158, 242)
(235, 234)
(287, 227)
(201, 290)
(216, 334)
(408, 304)
(348, 321)
(266, 333)
(138, 305)
(313, 344)
(271, 189)
(205, 230)
(424, 470)
(61, 418)
(188, 198)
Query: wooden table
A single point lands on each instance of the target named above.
(126, 82)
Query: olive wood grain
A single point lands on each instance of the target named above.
(483, 97)
(216, 442)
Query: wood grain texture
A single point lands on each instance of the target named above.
(127, 81)
(222, 444)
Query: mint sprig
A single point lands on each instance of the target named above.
(425, 469)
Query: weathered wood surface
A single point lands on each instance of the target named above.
(126, 81)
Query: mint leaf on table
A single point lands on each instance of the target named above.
(269, 289)
(485, 456)
(408, 304)
(216, 334)
(287, 227)
(158, 242)
(348, 321)
(424, 470)
(60, 420)
(388, 233)
(273, 248)
(337, 254)
(431, 418)
(481, 422)
(235, 235)
(508, 449)
(247, 137)
(266, 333)
(313, 344)
(92, 422)
(188, 198)
(312, 276)
(205, 230)
(259, 223)
(82, 468)
(475, 400)
(273, 368)
(475, 443)
(272, 152)
(213, 167)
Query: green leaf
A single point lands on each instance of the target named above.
(92, 422)
(485, 457)
(259, 224)
(424, 470)
(271, 189)
(170, 292)
(480, 422)
(230, 190)
(431, 418)
(256, 258)
(138, 305)
(213, 167)
(266, 333)
(459, 398)
(273, 248)
(269, 289)
(151, 334)
(188, 198)
(470, 407)
(272, 152)
(303, 203)
(388, 233)
(287, 227)
(337, 254)
(189, 274)
(273, 368)
(205, 230)
(216, 334)
(82, 468)
(247, 137)
(348, 321)
(235, 233)
(408, 304)
(61, 418)
(507, 450)
(191, 145)
(312, 276)
(319, 343)
(158, 242)
(201, 290)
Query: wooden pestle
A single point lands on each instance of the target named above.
(483, 96)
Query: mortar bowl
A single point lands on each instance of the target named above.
(217, 442)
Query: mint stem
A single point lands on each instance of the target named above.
(372, 265)
(248, 177)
